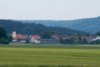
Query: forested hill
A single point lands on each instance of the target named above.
(91, 25)
(33, 28)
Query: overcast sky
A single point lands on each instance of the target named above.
(49, 9)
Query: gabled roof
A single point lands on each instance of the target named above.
(36, 37)
(20, 36)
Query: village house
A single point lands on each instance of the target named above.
(88, 38)
(96, 38)
(35, 39)
(19, 38)
(59, 37)
(24, 38)
(55, 39)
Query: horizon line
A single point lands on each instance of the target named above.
(48, 19)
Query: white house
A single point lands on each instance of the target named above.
(97, 38)
(35, 39)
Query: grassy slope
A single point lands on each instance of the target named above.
(18, 57)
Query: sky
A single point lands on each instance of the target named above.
(49, 9)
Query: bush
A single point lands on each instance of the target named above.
(3, 36)
(96, 42)
(4, 41)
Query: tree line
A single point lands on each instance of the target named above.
(8, 26)
(34, 28)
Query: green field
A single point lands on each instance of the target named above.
(49, 56)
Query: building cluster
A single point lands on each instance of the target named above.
(20, 38)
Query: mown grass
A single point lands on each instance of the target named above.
(43, 56)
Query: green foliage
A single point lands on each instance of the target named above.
(4, 41)
(67, 41)
(98, 33)
(81, 41)
(27, 41)
(47, 35)
(96, 42)
(9, 37)
(3, 33)
(77, 40)
(33, 28)
(3, 36)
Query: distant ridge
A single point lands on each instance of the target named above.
(33, 28)
(91, 25)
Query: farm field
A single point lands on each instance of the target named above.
(51, 56)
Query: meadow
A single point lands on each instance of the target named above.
(49, 55)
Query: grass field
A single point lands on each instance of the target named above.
(49, 56)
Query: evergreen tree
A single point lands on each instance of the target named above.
(98, 33)
(47, 35)
(3, 36)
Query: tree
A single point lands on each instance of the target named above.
(96, 42)
(3, 33)
(98, 33)
(47, 35)
(34, 28)
(67, 41)
(74, 40)
(10, 38)
(3, 36)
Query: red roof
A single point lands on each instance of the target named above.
(20, 36)
(36, 37)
